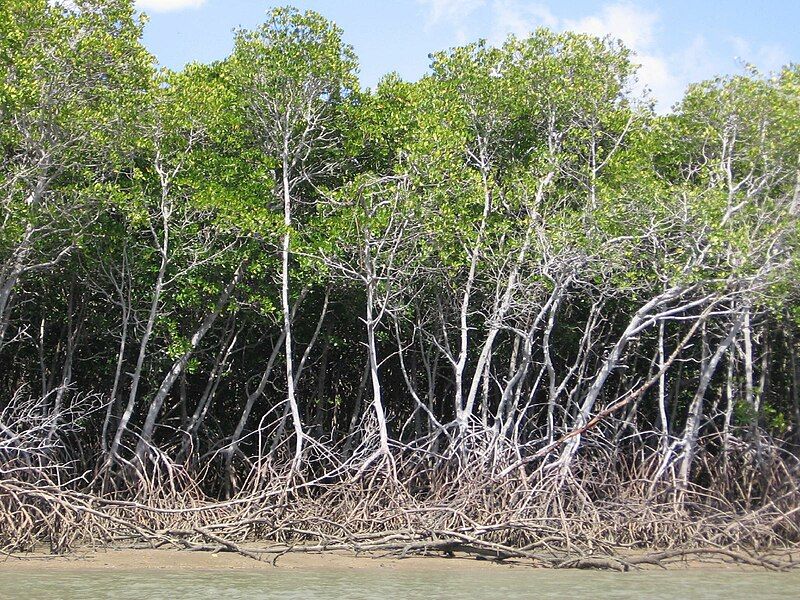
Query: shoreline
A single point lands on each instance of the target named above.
(181, 560)
(131, 559)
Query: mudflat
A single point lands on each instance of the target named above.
(180, 560)
(185, 560)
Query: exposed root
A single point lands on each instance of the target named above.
(595, 519)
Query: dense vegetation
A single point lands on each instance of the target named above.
(507, 291)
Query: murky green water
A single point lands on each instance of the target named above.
(310, 585)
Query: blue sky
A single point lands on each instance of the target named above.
(677, 41)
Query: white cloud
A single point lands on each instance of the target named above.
(453, 11)
(770, 57)
(634, 26)
(519, 19)
(168, 5)
(695, 62)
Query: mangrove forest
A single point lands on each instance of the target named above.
(508, 310)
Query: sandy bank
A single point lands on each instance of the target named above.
(148, 559)
(184, 560)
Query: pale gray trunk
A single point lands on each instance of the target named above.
(236, 437)
(487, 373)
(729, 407)
(372, 352)
(180, 364)
(692, 429)
(287, 319)
(505, 409)
(552, 390)
(112, 401)
(636, 324)
(148, 331)
(462, 415)
(19, 260)
(73, 331)
(662, 391)
(198, 416)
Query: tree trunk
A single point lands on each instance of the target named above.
(692, 429)
(179, 365)
(148, 331)
(287, 320)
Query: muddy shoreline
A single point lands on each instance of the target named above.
(181, 560)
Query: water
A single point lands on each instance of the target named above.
(424, 585)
